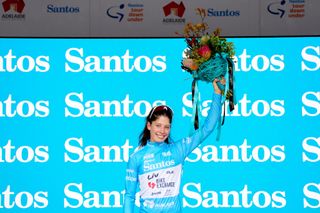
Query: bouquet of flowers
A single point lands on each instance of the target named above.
(208, 56)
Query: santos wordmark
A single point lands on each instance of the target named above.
(194, 195)
(79, 150)
(78, 104)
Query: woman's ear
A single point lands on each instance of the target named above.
(149, 125)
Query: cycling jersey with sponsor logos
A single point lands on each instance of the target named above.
(157, 168)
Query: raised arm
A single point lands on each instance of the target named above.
(186, 145)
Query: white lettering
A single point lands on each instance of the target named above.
(243, 153)
(77, 107)
(311, 147)
(194, 197)
(23, 154)
(312, 59)
(76, 197)
(11, 108)
(147, 166)
(77, 62)
(259, 63)
(244, 107)
(311, 107)
(312, 195)
(23, 200)
(24, 63)
(77, 152)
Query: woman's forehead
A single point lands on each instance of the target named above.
(162, 119)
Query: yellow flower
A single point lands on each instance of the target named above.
(204, 39)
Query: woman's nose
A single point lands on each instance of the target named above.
(162, 129)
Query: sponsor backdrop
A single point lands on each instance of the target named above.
(138, 18)
(71, 111)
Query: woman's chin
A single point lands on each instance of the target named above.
(160, 139)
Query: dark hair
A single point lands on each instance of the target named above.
(153, 115)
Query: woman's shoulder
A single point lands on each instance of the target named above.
(138, 152)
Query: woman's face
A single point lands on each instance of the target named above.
(159, 129)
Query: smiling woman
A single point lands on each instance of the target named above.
(156, 166)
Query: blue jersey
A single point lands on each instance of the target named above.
(157, 168)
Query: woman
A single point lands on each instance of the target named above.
(157, 165)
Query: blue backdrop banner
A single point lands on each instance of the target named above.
(71, 111)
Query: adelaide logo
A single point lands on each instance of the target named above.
(14, 5)
(13, 9)
(174, 9)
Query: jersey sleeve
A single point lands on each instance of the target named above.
(188, 144)
(130, 185)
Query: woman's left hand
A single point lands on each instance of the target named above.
(216, 88)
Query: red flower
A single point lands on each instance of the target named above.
(204, 52)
